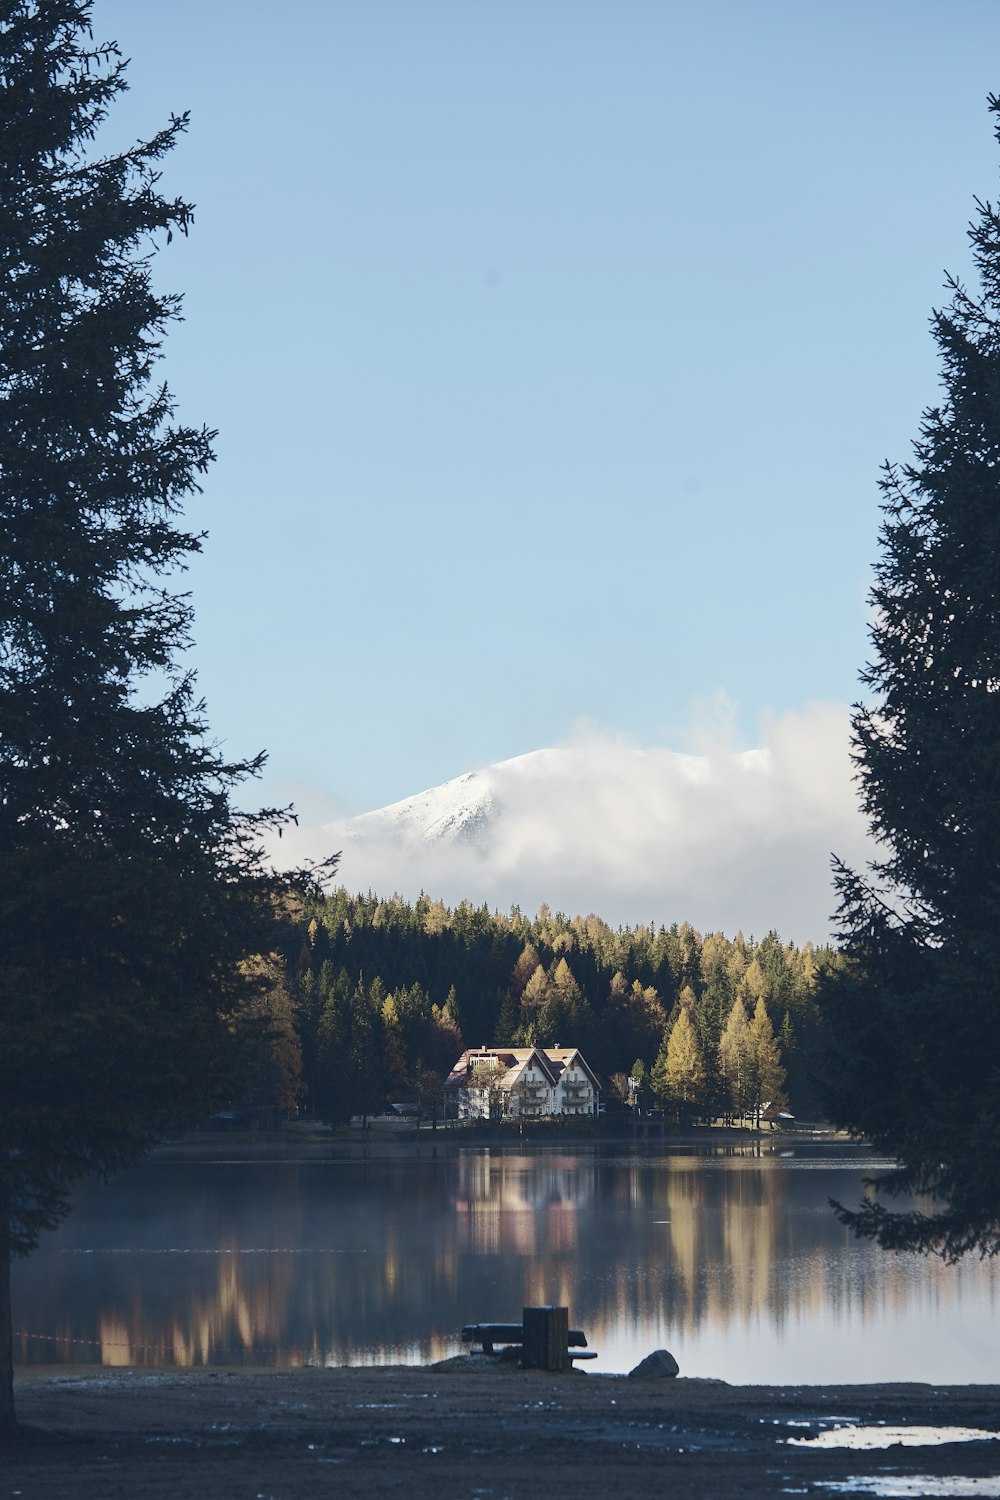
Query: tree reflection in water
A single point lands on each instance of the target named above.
(731, 1258)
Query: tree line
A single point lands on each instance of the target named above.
(375, 998)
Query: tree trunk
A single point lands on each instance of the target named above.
(8, 1421)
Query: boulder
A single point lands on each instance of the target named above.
(656, 1365)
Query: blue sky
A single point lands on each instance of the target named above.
(554, 348)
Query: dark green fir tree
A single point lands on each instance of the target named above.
(914, 1018)
(131, 891)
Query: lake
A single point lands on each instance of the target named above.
(728, 1256)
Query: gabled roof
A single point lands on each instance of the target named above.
(551, 1060)
(565, 1057)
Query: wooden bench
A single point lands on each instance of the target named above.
(511, 1335)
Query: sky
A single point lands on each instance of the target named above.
(554, 349)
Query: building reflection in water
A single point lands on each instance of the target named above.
(731, 1258)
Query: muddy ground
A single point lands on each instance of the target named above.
(472, 1431)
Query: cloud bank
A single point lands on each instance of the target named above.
(725, 839)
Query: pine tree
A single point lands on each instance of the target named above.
(395, 1058)
(267, 1027)
(507, 1020)
(117, 831)
(913, 1021)
(365, 1077)
(331, 1091)
(453, 1009)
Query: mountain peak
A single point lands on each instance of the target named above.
(729, 839)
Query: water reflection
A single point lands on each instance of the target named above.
(730, 1259)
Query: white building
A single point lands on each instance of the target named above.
(530, 1082)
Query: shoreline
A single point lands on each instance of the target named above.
(462, 1366)
(476, 1431)
(308, 1136)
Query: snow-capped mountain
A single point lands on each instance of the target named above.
(726, 839)
(463, 809)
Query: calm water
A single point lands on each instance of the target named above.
(730, 1258)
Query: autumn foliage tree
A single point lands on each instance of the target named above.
(767, 1073)
(735, 1062)
(679, 1072)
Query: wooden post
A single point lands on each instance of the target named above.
(546, 1338)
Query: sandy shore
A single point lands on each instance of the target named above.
(474, 1432)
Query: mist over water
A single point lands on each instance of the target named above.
(729, 1257)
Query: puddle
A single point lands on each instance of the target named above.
(912, 1486)
(889, 1437)
(817, 1421)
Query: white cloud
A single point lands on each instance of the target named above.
(725, 839)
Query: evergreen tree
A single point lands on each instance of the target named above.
(365, 1077)
(115, 808)
(331, 1092)
(507, 1021)
(308, 1008)
(446, 1042)
(267, 1028)
(453, 1009)
(395, 1056)
(912, 1022)
(713, 1011)
(565, 1017)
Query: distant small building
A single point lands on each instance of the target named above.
(521, 1082)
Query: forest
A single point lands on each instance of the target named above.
(373, 1000)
